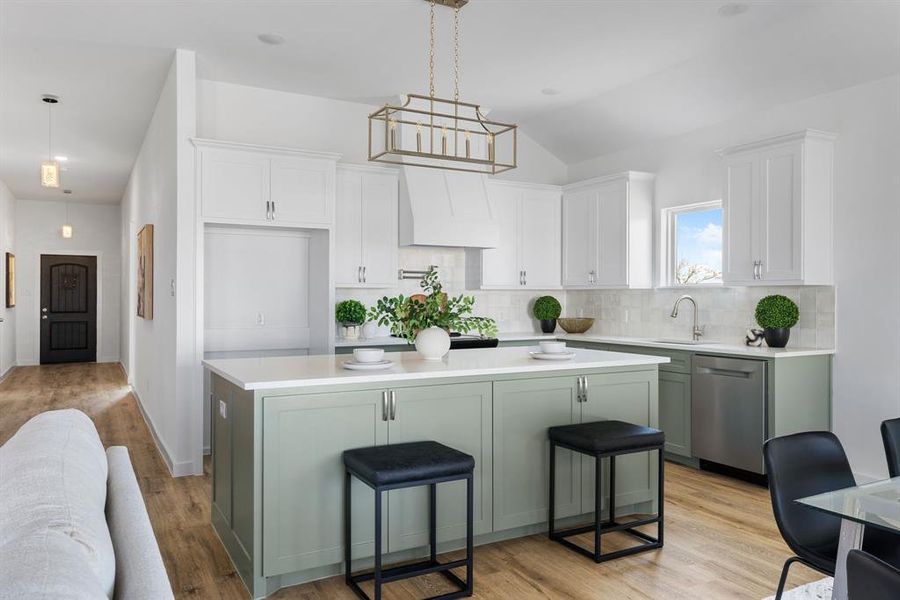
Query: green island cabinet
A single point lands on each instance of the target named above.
(278, 475)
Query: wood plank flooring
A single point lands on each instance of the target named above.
(721, 540)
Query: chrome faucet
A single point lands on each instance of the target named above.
(698, 331)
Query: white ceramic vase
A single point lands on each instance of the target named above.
(350, 332)
(433, 343)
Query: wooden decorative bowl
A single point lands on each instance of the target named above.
(575, 325)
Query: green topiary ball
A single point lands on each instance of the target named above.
(546, 308)
(350, 312)
(777, 312)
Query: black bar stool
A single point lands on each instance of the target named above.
(601, 439)
(396, 466)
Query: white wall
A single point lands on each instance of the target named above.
(97, 232)
(866, 119)
(7, 244)
(160, 353)
(241, 113)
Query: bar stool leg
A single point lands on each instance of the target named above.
(551, 515)
(432, 521)
(377, 577)
(612, 489)
(598, 504)
(660, 502)
(470, 532)
(347, 549)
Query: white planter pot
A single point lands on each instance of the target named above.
(350, 332)
(433, 343)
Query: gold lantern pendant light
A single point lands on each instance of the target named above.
(50, 167)
(427, 131)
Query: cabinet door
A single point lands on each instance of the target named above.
(740, 212)
(458, 416)
(523, 411)
(539, 240)
(675, 411)
(780, 217)
(379, 229)
(612, 236)
(630, 397)
(234, 185)
(303, 477)
(579, 238)
(302, 191)
(500, 266)
(348, 229)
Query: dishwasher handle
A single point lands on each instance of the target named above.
(725, 372)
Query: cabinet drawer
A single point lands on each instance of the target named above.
(680, 359)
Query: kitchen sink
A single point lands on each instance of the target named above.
(679, 342)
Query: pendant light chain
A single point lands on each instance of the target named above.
(456, 53)
(431, 54)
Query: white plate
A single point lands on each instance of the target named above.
(370, 366)
(552, 355)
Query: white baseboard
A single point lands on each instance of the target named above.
(181, 469)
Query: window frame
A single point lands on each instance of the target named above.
(669, 250)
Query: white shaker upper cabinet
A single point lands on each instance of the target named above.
(608, 232)
(527, 255)
(778, 211)
(366, 244)
(244, 184)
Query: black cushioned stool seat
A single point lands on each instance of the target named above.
(397, 463)
(602, 439)
(397, 466)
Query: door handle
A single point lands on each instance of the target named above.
(44, 309)
(384, 405)
(44, 317)
(393, 405)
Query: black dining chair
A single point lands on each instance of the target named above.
(805, 464)
(870, 578)
(890, 435)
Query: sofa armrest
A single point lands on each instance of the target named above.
(140, 573)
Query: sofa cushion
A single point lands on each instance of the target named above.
(54, 540)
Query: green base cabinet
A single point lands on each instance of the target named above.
(523, 410)
(675, 411)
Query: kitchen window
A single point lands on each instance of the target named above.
(692, 253)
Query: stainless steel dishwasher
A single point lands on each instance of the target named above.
(728, 413)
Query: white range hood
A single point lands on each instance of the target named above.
(445, 208)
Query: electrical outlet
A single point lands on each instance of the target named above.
(223, 410)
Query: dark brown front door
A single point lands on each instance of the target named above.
(68, 308)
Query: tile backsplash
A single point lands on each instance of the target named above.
(725, 313)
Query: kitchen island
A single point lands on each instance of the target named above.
(280, 425)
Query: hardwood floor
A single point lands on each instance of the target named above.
(721, 541)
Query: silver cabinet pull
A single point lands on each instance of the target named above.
(393, 405)
(578, 392)
(358, 274)
(584, 388)
(384, 405)
(525, 277)
(273, 210)
(364, 274)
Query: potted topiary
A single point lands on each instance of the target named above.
(351, 314)
(776, 315)
(547, 310)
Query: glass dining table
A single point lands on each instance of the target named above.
(874, 504)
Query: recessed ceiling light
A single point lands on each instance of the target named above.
(733, 9)
(272, 39)
(61, 158)
(550, 91)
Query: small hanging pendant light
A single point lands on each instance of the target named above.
(66, 229)
(50, 167)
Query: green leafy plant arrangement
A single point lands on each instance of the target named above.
(546, 308)
(777, 312)
(350, 312)
(408, 316)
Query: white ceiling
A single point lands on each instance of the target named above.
(627, 71)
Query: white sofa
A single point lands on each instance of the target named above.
(72, 520)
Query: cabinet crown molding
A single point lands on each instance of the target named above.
(368, 169)
(787, 138)
(626, 175)
(524, 184)
(210, 143)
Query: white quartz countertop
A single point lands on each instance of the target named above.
(278, 372)
(703, 346)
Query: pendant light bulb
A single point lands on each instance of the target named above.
(66, 230)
